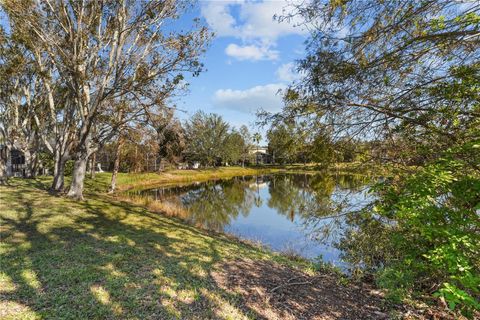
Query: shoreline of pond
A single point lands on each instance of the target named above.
(175, 177)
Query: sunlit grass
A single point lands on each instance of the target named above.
(127, 181)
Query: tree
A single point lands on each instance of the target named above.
(234, 147)
(105, 52)
(206, 135)
(391, 69)
(18, 101)
(116, 164)
(321, 150)
(404, 74)
(257, 137)
(171, 138)
(284, 142)
(247, 143)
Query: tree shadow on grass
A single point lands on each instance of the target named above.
(101, 259)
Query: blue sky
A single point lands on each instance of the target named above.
(248, 62)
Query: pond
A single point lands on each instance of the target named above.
(301, 214)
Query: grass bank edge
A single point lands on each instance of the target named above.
(129, 181)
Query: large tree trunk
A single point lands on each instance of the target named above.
(28, 160)
(58, 172)
(30, 163)
(116, 166)
(3, 165)
(78, 176)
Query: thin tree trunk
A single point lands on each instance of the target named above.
(136, 159)
(9, 166)
(35, 165)
(160, 163)
(93, 164)
(116, 166)
(78, 177)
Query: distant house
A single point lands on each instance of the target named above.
(195, 165)
(14, 161)
(260, 154)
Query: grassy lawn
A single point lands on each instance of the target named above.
(99, 259)
(135, 180)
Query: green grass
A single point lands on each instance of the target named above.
(127, 181)
(104, 259)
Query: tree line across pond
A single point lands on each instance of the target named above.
(209, 141)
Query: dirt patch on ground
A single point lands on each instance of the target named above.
(276, 292)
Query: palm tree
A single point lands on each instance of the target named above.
(256, 138)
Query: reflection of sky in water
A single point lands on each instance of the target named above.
(287, 217)
(265, 225)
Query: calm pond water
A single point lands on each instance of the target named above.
(301, 214)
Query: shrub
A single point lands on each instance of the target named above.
(434, 234)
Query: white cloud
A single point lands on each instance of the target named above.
(267, 97)
(260, 23)
(251, 52)
(218, 16)
(254, 22)
(287, 73)
(255, 19)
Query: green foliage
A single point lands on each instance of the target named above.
(456, 296)
(69, 167)
(234, 147)
(409, 87)
(434, 233)
(398, 281)
(205, 135)
(211, 141)
(321, 149)
(282, 143)
(46, 159)
(171, 139)
(320, 265)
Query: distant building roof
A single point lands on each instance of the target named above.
(258, 149)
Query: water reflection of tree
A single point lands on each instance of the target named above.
(328, 221)
(302, 195)
(320, 201)
(322, 204)
(214, 205)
